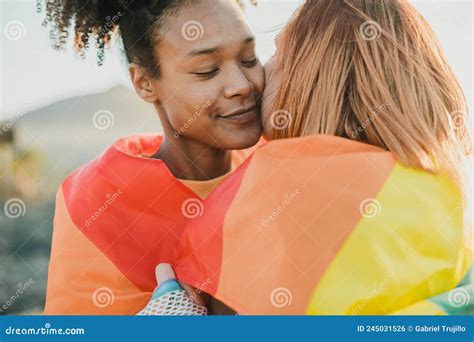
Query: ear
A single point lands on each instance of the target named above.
(143, 84)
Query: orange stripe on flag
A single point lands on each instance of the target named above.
(82, 280)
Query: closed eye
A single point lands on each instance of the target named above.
(207, 74)
(251, 63)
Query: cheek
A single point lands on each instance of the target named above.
(190, 112)
(256, 76)
(272, 85)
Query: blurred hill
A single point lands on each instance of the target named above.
(48, 144)
(74, 131)
(69, 133)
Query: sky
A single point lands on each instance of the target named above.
(33, 75)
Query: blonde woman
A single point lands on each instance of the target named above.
(357, 206)
(342, 63)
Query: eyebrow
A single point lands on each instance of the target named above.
(214, 50)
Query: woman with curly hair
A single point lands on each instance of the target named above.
(195, 61)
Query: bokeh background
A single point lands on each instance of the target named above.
(58, 111)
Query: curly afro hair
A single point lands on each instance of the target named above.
(136, 22)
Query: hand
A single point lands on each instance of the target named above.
(173, 298)
(164, 272)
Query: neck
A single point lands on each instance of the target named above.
(191, 160)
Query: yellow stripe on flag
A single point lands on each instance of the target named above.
(407, 247)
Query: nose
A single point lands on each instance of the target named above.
(238, 85)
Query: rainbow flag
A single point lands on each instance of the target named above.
(316, 225)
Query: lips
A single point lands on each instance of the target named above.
(243, 115)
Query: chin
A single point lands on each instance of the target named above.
(241, 140)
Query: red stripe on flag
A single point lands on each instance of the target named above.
(200, 265)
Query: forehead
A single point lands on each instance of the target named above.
(204, 24)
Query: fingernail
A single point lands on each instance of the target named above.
(163, 273)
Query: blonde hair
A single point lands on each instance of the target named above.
(372, 71)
